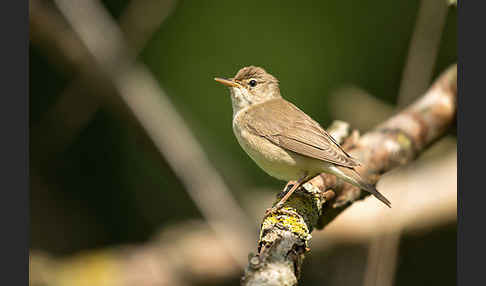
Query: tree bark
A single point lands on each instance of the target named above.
(285, 235)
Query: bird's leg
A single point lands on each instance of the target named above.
(287, 188)
(287, 195)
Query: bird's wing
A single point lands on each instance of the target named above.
(284, 124)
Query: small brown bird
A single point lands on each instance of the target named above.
(283, 140)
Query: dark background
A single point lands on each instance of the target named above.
(109, 186)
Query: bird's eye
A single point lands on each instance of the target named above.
(252, 82)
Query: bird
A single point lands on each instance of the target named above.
(282, 139)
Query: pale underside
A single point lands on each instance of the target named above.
(285, 142)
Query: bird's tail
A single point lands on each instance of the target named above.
(353, 177)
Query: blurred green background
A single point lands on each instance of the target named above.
(110, 187)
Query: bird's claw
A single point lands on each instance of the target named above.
(277, 209)
(273, 210)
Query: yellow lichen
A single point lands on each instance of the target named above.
(404, 141)
(299, 214)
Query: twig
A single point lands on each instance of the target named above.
(150, 105)
(186, 254)
(75, 108)
(423, 50)
(371, 112)
(284, 236)
(422, 54)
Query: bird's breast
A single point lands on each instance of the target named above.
(274, 160)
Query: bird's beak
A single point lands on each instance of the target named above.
(227, 82)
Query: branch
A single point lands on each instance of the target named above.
(423, 50)
(284, 236)
(77, 105)
(178, 254)
(113, 63)
(188, 253)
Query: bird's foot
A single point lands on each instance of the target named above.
(277, 209)
(273, 210)
(286, 194)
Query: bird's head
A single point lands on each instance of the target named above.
(251, 85)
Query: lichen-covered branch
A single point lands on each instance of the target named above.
(284, 236)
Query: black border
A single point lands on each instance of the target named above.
(14, 209)
(14, 150)
(471, 236)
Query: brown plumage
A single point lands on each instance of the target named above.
(257, 73)
(283, 140)
(298, 133)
